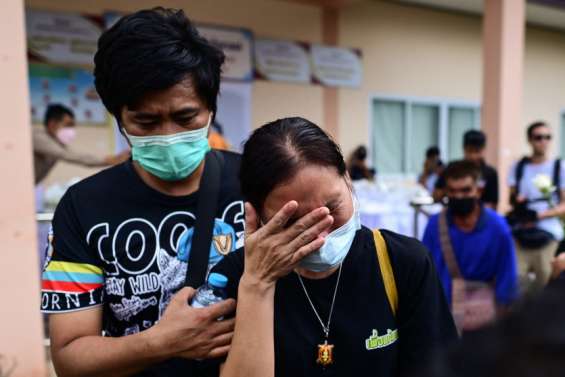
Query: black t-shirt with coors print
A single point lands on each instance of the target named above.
(117, 242)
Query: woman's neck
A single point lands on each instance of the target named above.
(308, 274)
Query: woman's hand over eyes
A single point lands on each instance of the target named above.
(275, 249)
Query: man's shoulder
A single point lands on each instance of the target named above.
(489, 170)
(230, 156)
(496, 221)
(101, 183)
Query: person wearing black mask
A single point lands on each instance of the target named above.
(473, 250)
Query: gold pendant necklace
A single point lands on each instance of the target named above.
(325, 350)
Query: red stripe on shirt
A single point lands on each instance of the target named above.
(71, 287)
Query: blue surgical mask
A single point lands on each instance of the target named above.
(336, 246)
(171, 157)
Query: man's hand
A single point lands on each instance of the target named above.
(194, 333)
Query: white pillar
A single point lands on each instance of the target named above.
(503, 60)
(21, 340)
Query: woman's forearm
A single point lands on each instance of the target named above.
(252, 352)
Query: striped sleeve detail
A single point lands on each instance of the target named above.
(69, 277)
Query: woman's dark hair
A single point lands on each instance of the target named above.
(154, 50)
(275, 152)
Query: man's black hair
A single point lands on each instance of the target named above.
(152, 50)
(360, 153)
(432, 152)
(460, 169)
(56, 112)
(532, 127)
(474, 139)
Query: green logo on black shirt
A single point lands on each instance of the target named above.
(375, 341)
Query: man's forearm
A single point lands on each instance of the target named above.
(553, 212)
(92, 356)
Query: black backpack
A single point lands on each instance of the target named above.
(556, 176)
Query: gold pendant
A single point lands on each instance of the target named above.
(325, 354)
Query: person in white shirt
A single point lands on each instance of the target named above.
(537, 186)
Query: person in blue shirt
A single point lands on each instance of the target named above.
(480, 238)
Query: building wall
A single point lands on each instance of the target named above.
(407, 51)
(413, 51)
(266, 18)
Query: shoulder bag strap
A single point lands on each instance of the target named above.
(557, 177)
(520, 172)
(206, 208)
(447, 247)
(386, 270)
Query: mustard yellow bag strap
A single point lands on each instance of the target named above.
(386, 270)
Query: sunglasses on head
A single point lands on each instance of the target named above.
(541, 137)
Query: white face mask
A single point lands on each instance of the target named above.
(336, 246)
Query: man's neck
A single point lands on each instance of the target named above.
(538, 158)
(182, 187)
(468, 222)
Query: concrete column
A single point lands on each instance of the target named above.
(21, 340)
(503, 60)
(330, 20)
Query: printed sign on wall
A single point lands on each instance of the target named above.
(237, 45)
(334, 66)
(282, 61)
(61, 38)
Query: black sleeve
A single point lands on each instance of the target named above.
(424, 319)
(231, 266)
(490, 193)
(71, 270)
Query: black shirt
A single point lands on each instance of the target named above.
(116, 243)
(361, 313)
(489, 176)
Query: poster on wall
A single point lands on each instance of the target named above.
(61, 38)
(237, 45)
(335, 66)
(234, 112)
(72, 87)
(282, 61)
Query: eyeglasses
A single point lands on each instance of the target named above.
(541, 137)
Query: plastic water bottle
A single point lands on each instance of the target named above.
(211, 292)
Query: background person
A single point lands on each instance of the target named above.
(433, 167)
(537, 184)
(474, 147)
(52, 144)
(216, 137)
(316, 304)
(472, 242)
(357, 165)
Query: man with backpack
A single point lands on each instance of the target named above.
(536, 189)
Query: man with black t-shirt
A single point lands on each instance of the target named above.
(114, 265)
(474, 144)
